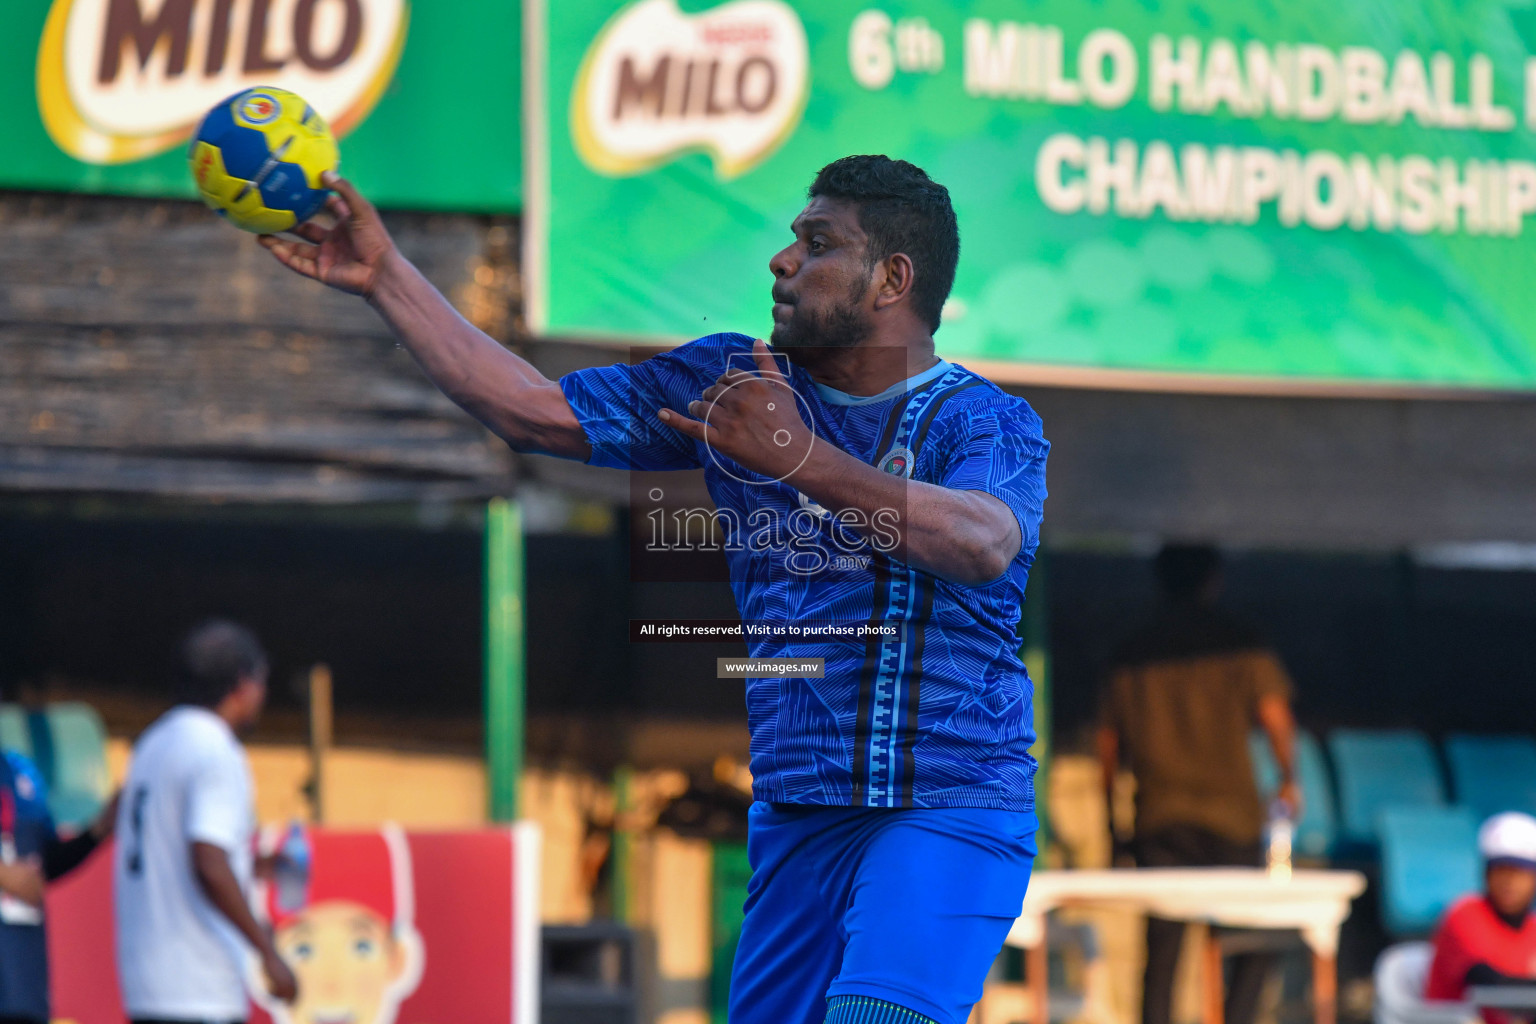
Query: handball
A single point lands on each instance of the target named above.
(257, 158)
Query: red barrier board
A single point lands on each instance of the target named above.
(392, 928)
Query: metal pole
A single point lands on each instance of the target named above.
(623, 846)
(320, 733)
(504, 656)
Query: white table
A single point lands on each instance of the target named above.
(1315, 903)
(1516, 999)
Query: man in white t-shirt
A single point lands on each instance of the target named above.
(183, 864)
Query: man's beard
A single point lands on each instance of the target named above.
(843, 326)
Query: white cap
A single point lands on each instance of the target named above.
(1510, 838)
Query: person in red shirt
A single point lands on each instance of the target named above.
(1490, 938)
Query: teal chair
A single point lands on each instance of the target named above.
(1318, 829)
(1429, 860)
(1375, 769)
(14, 734)
(78, 780)
(1490, 774)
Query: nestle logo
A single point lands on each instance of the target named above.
(738, 34)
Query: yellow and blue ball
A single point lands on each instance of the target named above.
(257, 158)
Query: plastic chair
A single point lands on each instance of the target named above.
(1491, 774)
(1399, 977)
(14, 734)
(1429, 859)
(77, 775)
(1318, 828)
(1377, 768)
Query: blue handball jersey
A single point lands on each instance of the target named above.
(26, 829)
(939, 712)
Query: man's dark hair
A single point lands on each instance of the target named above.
(901, 209)
(1183, 570)
(215, 656)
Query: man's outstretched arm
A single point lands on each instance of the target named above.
(501, 390)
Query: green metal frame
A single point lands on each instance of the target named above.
(505, 667)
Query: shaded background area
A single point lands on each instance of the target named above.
(1371, 640)
(394, 608)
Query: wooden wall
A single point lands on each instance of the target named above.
(146, 348)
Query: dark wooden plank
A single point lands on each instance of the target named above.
(71, 471)
(147, 347)
(108, 261)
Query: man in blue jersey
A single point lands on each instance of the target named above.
(32, 855)
(863, 484)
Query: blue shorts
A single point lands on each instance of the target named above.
(907, 906)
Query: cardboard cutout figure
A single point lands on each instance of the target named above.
(351, 937)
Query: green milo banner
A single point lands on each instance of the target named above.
(103, 95)
(1228, 193)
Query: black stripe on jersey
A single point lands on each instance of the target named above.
(921, 432)
(892, 421)
(879, 608)
(914, 682)
(919, 623)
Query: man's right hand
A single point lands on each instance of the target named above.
(486, 379)
(280, 980)
(23, 880)
(349, 256)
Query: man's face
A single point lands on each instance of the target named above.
(345, 959)
(1511, 888)
(252, 694)
(822, 289)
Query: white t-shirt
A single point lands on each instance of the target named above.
(177, 956)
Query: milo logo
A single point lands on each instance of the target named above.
(731, 81)
(121, 80)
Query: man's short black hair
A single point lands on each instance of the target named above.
(215, 655)
(901, 209)
(1183, 570)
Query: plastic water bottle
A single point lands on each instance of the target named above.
(291, 872)
(1279, 834)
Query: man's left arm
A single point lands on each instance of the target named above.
(61, 856)
(961, 533)
(1279, 725)
(964, 536)
(1272, 709)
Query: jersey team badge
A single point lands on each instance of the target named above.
(897, 462)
